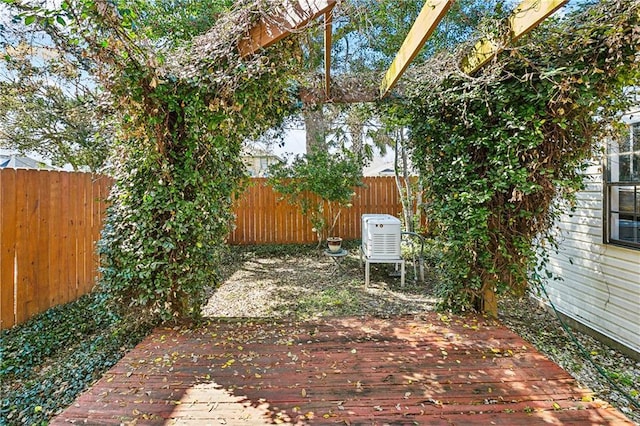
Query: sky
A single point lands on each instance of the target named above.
(4, 14)
(294, 143)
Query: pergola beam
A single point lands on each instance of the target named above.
(430, 16)
(290, 16)
(328, 30)
(528, 15)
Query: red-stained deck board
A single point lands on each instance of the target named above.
(428, 370)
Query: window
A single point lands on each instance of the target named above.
(623, 189)
(264, 163)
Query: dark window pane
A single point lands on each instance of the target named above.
(635, 167)
(626, 199)
(628, 230)
(623, 165)
(624, 162)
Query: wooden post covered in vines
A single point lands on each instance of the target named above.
(501, 152)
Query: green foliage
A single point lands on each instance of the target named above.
(321, 184)
(172, 200)
(170, 209)
(46, 108)
(180, 20)
(48, 361)
(336, 300)
(376, 29)
(501, 152)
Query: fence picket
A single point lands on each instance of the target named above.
(42, 242)
(21, 278)
(30, 260)
(81, 241)
(55, 240)
(67, 285)
(8, 207)
(87, 237)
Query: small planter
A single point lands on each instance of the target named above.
(334, 244)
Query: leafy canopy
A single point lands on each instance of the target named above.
(48, 105)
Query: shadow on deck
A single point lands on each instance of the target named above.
(430, 369)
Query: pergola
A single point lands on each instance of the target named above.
(293, 15)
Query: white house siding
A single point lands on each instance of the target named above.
(600, 286)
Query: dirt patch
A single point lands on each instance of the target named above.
(311, 285)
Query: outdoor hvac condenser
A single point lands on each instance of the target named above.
(380, 236)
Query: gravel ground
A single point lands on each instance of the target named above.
(308, 285)
(302, 282)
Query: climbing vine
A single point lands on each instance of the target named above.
(501, 153)
(183, 134)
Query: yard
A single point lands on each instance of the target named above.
(499, 150)
(285, 282)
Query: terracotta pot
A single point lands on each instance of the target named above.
(334, 244)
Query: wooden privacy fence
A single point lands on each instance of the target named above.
(261, 218)
(49, 222)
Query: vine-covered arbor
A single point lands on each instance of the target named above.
(498, 148)
(526, 16)
(501, 145)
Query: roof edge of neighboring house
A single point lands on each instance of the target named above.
(17, 161)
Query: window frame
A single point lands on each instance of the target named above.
(633, 123)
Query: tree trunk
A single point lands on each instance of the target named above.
(489, 301)
(357, 140)
(315, 127)
(404, 185)
(407, 183)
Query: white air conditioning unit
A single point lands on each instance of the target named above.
(380, 236)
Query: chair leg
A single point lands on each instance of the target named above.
(402, 274)
(366, 273)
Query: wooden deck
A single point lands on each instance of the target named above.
(433, 370)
